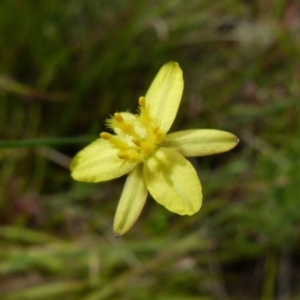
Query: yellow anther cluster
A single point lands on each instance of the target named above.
(136, 136)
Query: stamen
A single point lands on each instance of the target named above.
(144, 116)
(123, 155)
(142, 101)
(112, 123)
(136, 137)
(118, 143)
(105, 135)
(128, 128)
(118, 117)
(131, 156)
(137, 142)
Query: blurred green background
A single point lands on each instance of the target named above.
(65, 66)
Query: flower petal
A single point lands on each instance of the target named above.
(99, 162)
(132, 201)
(164, 95)
(173, 182)
(200, 142)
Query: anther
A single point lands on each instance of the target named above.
(118, 117)
(105, 135)
(137, 142)
(123, 155)
(142, 101)
(131, 156)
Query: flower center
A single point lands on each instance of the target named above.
(137, 136)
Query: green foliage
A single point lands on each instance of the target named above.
(66, 65)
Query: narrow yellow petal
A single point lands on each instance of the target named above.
(173, 182)
(132, 201)
(200, 142)
(99, 162)
(164, 95)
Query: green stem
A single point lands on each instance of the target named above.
(46, 142)
(270, 272)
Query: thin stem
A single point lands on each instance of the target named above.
(51, 141)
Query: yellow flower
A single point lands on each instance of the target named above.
(154, 159)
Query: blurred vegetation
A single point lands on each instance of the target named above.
(66, 65)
